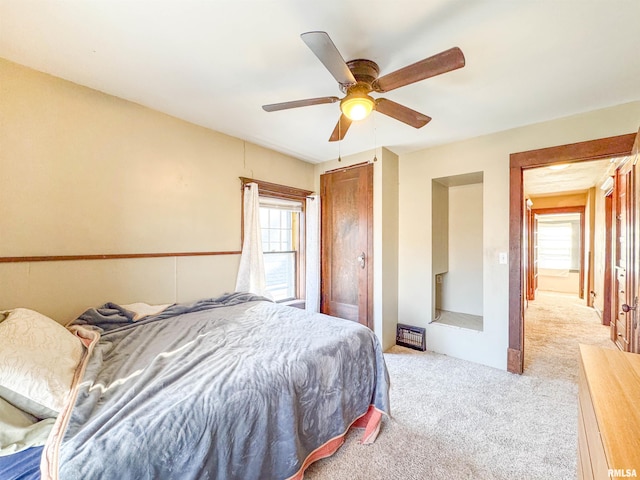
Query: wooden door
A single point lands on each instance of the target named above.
(535, 253)
(347, 243)
(634, 320)
(623, 292)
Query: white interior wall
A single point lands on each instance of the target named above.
(440, 221)
(440, 240)
(386, 289)
(462, 285)
(489, 154)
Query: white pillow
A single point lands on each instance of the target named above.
(142, 310)
(38, 359)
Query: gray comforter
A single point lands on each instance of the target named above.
(228, 388)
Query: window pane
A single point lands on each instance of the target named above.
(555, 245)
(280, 269)
(274, 239)
(264, 217)
(274, 218)
(277, 236)
(285, 219)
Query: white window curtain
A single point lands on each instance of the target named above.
(312, 287)
(251, 276)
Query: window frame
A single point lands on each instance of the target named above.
(284, 192)
(571, 252)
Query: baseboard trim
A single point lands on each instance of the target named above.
(514, 361)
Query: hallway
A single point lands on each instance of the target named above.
(555, 324)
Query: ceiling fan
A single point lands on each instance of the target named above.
(358, 78)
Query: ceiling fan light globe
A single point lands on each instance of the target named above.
(357, 107)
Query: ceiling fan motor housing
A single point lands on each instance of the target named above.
(364, 71)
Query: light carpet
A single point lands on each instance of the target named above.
(453, 419)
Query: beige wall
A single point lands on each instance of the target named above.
(82, 172)
(462, 285)
(489, 154)
(574, 199)
(558, 281)
(440, 227)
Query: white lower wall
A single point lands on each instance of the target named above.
(64, 289)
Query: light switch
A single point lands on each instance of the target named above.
(502, 258)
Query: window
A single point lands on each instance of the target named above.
(559, 242)
(279, 221)
(283, 233)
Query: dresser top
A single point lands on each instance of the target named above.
(613, 379)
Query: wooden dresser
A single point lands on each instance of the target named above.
(608, 414)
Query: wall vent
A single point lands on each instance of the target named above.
(411, 337)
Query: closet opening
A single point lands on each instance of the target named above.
(457, 253)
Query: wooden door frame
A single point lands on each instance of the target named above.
(617, 146)
(608, 258)
(580, 210)
(531, 260)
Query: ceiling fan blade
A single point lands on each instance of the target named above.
(341, 129)
(274, 107)
(322, 46)
(443, 62)
(402, 113)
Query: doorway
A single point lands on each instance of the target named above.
(346, 243)
(558, 251)
(591, 150)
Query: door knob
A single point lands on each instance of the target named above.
(360, 259)
(626, 308)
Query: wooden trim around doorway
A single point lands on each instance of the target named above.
(610, 147)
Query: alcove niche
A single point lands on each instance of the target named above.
(457, 256)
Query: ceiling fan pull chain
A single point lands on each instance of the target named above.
(339, 141)
(375, 139)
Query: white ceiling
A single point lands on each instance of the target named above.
(215, 62)
(576, 177)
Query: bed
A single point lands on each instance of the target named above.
(235, 387)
